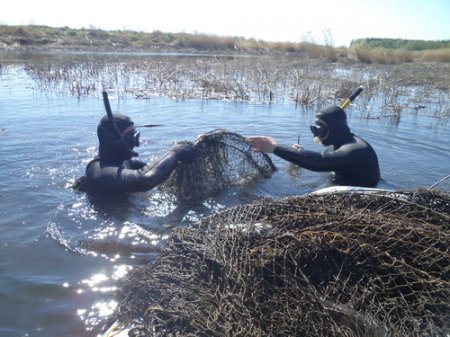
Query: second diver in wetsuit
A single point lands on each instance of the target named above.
(115, 172)
(351, 159)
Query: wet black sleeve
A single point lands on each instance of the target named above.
(103, 180)
(315, 161)
(354, 163)
(137, 164)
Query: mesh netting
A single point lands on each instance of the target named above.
(321, 265)
(223, 159)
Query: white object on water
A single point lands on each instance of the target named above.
(347, 189)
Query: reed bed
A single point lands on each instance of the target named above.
(307, 83)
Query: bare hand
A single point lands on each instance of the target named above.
(297, 146)
(262, 143)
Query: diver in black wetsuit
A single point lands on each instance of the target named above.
(352, 160)
(114, 172)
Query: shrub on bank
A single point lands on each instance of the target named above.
(439, 55)
(365, 54)
(379, 51)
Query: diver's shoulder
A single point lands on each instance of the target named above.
(95, 162)
(359, 141)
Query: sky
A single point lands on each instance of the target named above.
(334, 22)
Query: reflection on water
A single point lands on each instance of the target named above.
(62, 254)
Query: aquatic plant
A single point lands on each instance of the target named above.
(352, 264)
(308, 83)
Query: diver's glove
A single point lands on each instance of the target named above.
(184, 151)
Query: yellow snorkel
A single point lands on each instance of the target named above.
(351, 98)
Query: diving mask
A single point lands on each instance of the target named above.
(319, 130)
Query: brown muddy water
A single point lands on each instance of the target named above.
(61, 255)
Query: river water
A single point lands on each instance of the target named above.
(61, 255)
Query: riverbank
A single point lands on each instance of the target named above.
(380, 51)
(395, 67)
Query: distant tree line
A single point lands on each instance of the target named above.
(368, 50)
(401, 44)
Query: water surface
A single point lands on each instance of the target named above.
(61, 255)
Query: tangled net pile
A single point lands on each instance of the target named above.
(223, 159)
(322, 265)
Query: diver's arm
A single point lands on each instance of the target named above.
(117, 180)
(154, 174)
(151, 175)
(135, 164)
(315, 161)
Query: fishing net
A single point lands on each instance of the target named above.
(223, 159)
(354, 264)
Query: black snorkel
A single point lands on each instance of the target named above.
(110, 115)
(116, 128)
(119, 134)
(351, 98)
(113, 122)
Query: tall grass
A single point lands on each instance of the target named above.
(92, 38)
(365, 54)
(439, 55)
(308, 83)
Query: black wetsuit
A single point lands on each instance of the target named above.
(353, 161)
(105, 178)
(114, 172)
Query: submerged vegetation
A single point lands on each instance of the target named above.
(389, 90)
(384, 51)
(184, 66)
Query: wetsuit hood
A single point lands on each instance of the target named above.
(113, 147)
(335, 120)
